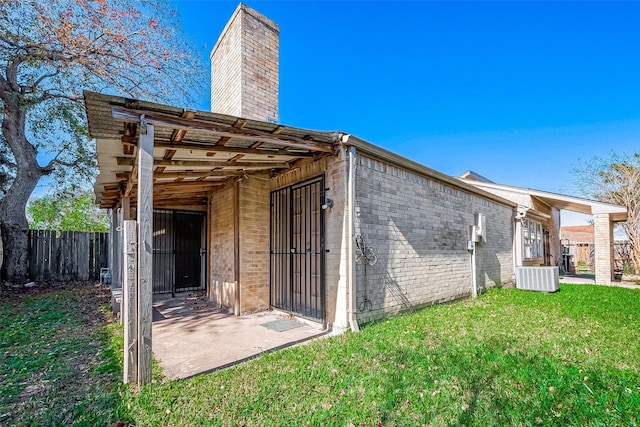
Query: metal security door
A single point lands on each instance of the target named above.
(178, 251)
(188, 251)
(297, 249)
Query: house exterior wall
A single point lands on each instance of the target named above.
(336, 232)
(418, 229)
(244, 67)
(550, 221)
(222, 274)
(254, 210)
(603, 236)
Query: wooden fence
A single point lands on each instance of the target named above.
(67, 255)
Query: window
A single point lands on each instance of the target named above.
(532, 239)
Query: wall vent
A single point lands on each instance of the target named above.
(542, 279)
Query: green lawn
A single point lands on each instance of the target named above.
(58, 364)
(506, 358)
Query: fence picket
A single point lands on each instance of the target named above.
(66, 256)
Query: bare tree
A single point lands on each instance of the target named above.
(615, 179)
(49, 52)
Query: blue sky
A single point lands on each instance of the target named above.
(515, 91)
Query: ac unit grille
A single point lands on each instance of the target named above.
(542, 279)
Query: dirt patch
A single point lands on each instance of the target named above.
(11, 291)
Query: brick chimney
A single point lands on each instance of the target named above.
(244, 67)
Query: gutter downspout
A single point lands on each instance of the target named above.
(514, 250)
(353, 321)
(474, 279)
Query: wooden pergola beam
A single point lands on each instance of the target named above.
(132, 180)
(233, 150)
(128, 161)
(178, 134)
(239, 124)
(167, 120)
(181, 202)
(186, 184)
(186, 175)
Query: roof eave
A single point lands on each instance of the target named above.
(389, 156)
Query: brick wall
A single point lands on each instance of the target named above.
(603, 237)
(221, 247)
(254, 204)
(226, 65)
(244, 67)
(418, 229)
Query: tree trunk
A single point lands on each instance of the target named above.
(13, 218)
(631, 227)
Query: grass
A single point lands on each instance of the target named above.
(58, 361)
(506, 358)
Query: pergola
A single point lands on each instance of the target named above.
(152, 156)
(194, 152)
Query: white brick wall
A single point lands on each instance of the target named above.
(603, 239)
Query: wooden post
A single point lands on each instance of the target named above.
(236, 245)
(116, 266)
(126, 208)
(129, 301)
(112, 256)
(144, 213)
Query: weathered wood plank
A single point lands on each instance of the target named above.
(46, 252)
(129, 301)
(166, 120)
(233, 150)
(70, 270)
(83, 264)
(144, 214)
(67, 255)
(128, 161)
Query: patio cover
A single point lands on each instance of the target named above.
(195, 152)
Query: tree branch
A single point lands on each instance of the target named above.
(54, 162)
(43, 77)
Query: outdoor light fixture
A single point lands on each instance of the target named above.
(328, 204)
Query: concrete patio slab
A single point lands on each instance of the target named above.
(192, 336)
(590, 279)
(578, 278)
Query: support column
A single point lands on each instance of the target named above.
(126, 208)
(129, 302)
(116, 261)
(554, 238)
(144, 213)
(113, 242)
(603, 234)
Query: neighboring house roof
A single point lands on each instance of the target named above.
(196, 152)
(474, 176)
(522, 196)
(577, 233)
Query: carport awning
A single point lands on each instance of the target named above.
(616, 213)
(195, 152)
